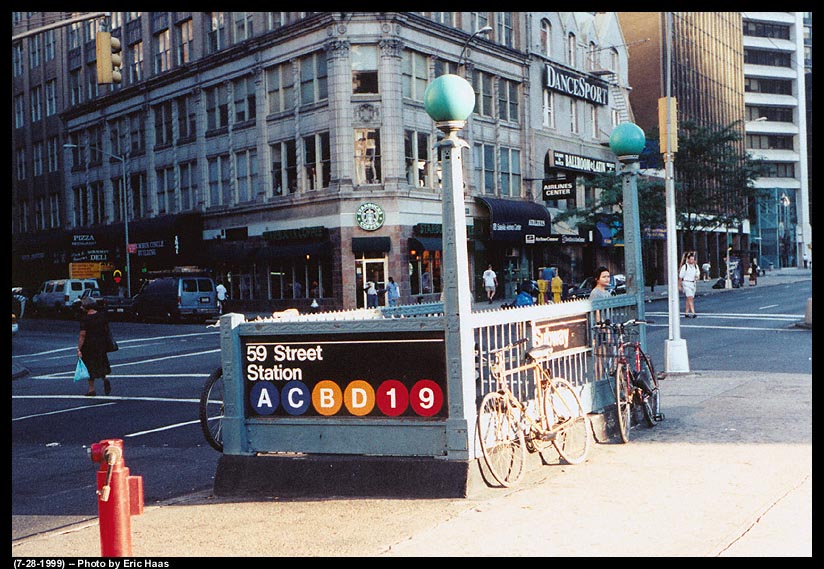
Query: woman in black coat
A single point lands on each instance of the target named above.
(92, 344)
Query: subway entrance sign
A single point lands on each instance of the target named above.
(358, 375)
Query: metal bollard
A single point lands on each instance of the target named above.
(119, 496)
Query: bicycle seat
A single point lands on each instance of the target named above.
(539, 352)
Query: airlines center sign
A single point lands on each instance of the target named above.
(365, 375)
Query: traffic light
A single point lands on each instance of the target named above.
(108, 58)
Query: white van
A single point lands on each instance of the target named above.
(55, 297)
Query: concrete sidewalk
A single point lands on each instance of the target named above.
(727, 473)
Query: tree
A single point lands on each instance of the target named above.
(713, 184)
(714, 178)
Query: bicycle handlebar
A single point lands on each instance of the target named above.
(608, 324)
(508, 346)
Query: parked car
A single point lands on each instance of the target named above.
(115, 305)
(175, 298)
(617, 285)
(56, 297)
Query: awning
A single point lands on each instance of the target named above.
(517, 221)
(228, 253)
(602, 235)
(277, 252)
(369, 244)
(425, 244)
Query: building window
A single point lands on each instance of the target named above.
(445, 18)
(367, 156)
(220, 188)
(546, 38)
(765, 57)
(772, 86)
(51, 97)
(188, 186)
(37, 159)
(217, 107)
(418, 159)
(166, 191)
(163, 123)
(17, 59)
(548, 109)
(74, 35)
(571, 50)
(592, 57)
(52, 154)
(507, 100)
(183, 31)
(504, 34)
(482, 83)
(275, 20)
(573, 116)
(484, 164)
(36, 109)
(313, 79)
(616, 117)
(510, 172)
(247, 175)
(443, 67)
(19, 111)
(779, 170)
(75, 88)
(364, 68)
(137, 133)
(186, 118)
(245, 100)
(116, 131)
(214, 34)
(614, 60)
(136, 66)
(284, 168)
(35, 45)
(415, 75)
(593, 121)
(769, 142)
(92, 88)
(316, 160)
(280, 87)
(163, 53)
(55, 219)
(244, 28)
(478, 20)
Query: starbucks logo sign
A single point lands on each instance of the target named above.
(370, 216)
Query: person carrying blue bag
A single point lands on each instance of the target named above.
(92, 345)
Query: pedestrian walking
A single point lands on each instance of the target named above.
(705, 268)
(557, 287)
(490, 282)
(601, 288)
(688, 274)
(371, 294)
(753, 272)
(806, 260)
(92, 344)
(393, 292)
(221, 295)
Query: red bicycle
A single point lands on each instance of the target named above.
(635, 380)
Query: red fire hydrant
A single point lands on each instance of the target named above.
(119, 496)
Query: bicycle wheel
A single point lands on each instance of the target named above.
(211, 410)
(502, 442)
(651, 397)
(563, 407)
(623, 401)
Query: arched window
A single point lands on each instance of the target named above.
(546, 38)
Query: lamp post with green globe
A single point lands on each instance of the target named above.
(449, 100)
(627, 142)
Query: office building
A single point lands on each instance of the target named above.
(290, 154)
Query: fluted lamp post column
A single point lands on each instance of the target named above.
(627, 142)
(449, 100)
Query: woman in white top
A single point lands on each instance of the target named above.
(688, 274)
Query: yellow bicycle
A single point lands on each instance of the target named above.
(508, 427)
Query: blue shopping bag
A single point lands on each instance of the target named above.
(81, 372)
